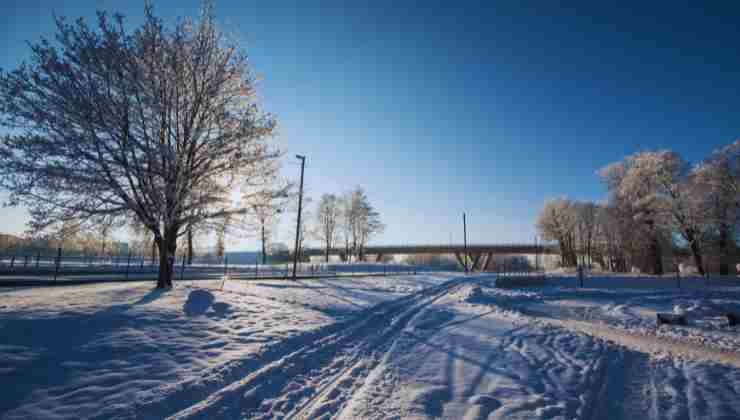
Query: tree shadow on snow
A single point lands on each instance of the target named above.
(153, 295)
(198, 302)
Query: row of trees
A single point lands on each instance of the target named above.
(154, 127)
(349, 219)
(78, 243)
(659, 206)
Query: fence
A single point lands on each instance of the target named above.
(130, 267)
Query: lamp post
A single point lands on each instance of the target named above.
(465, 243)
(298, 222)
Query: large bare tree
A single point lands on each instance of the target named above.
(159, 123)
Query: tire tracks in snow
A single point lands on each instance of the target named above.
(318, 379)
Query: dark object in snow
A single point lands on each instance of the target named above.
(732, 319)
(198, 302)
(671, 319)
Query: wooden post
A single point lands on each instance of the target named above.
(25, 261)
(58, 263)
(128, 262)
(12, 261)
(678, 277)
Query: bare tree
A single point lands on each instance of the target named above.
(345, 225)
(305, 231)
(362, 221)
(266, 208)
(159, 124)
(328, 215)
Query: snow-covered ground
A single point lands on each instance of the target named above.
(425, 346)
(126, 350)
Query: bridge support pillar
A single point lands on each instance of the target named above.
(489, 258)
(476, 261)
(460, 260)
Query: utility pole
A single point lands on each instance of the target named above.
(465, 243)
(298, 223)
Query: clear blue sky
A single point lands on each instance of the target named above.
(488, 107)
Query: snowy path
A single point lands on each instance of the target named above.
(459, 360)
(318, 378)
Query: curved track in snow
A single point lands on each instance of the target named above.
(317, 379)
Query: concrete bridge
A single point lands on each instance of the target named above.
(480, 256)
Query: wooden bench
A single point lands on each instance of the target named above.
(670, 319)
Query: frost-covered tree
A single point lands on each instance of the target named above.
(557, 221)
(637, 202)
(661, 184)
(718, 178)
(328, 218)
(158, 123)
(586, 228)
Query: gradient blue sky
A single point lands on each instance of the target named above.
(439, 107)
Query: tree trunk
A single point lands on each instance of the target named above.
(264, 253)
(154, 250)
(724, 266)
(696, 252)
(190, 246)
(167, 249)
(656, 255)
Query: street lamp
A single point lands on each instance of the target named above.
(298, 222)
(465, 243)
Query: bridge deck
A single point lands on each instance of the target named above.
(506, 249)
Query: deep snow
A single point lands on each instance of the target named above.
(425, 346)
